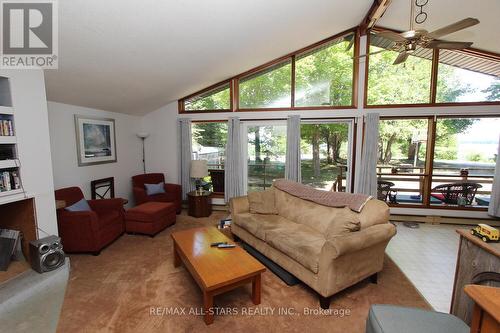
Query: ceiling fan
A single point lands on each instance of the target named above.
(406, 42)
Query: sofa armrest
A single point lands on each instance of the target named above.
(176, 189)
(106, 204)
(140, 195)
(358, 240)
(239, 205)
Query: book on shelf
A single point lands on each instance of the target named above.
(9, 180)
(10, 241)
(6, 127)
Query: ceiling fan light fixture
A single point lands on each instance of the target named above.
(411, 47)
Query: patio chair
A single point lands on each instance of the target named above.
(383, 189)
(449, 193)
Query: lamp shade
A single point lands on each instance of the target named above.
(142, 135)
(199, 169)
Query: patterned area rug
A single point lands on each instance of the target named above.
(133, 287)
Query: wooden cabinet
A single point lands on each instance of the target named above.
(199, 205)
(478, 263)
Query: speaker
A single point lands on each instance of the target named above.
(46, 254)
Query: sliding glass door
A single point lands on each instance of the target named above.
(266, 152)
(326, 150)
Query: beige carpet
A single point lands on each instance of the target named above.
(119, 290)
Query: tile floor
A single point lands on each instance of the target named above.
(427, 256)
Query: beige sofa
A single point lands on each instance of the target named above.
(316, 243)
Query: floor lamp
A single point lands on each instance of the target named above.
(143, 136)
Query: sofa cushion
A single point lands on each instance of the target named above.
(262, 202)
(300, 242)
(258, 224)
(325, 220)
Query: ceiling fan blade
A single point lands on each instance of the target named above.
(351, 43)
(436, 44)
(391, 35)
(401, 58)
(465, 23)
(372, 53)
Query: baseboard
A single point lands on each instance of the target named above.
(442, 219)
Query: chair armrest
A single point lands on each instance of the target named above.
(358, 240)
(140, 195)
(106, 204)
(239, 205)
(78, 220)
(176, 189)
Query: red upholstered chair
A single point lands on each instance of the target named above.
(173, 192)
(89, 231)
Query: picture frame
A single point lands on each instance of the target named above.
(95, 140)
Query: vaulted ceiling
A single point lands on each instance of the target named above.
(136, 56)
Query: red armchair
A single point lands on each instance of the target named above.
(173, 192)
(89, 231)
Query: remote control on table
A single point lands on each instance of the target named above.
(226, 246)
(217, 244)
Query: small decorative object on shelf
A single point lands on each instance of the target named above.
(6, 127)
(9, 180)
(486, 233)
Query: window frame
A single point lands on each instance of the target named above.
(234, 81)
(434, 77)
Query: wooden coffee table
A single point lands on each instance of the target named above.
(215, 270)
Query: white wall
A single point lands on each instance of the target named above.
(32, 132)
(64, 154)
(161, 145)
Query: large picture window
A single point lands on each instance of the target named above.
(459, 173)
(270, 88)
(266, 153)
(213, 99)
(461, 76)
(465, 78)
(405, 83)
(401, 166)
(318, 76)
(324, 76)
(465, 154)
(325, 155)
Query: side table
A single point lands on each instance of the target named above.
(199, 204)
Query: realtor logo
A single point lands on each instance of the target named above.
(29, 34)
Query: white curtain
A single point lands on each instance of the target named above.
(292, 162)
(185, 156)
(367, 171)
(494, 207)
(234, 185)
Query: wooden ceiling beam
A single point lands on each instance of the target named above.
(376, 11)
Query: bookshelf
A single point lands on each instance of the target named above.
(10, 181)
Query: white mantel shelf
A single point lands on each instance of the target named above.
(8, 139)
(6, 110)
(4, 164)
(13, 196)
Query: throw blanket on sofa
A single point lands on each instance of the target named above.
(355, 202)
